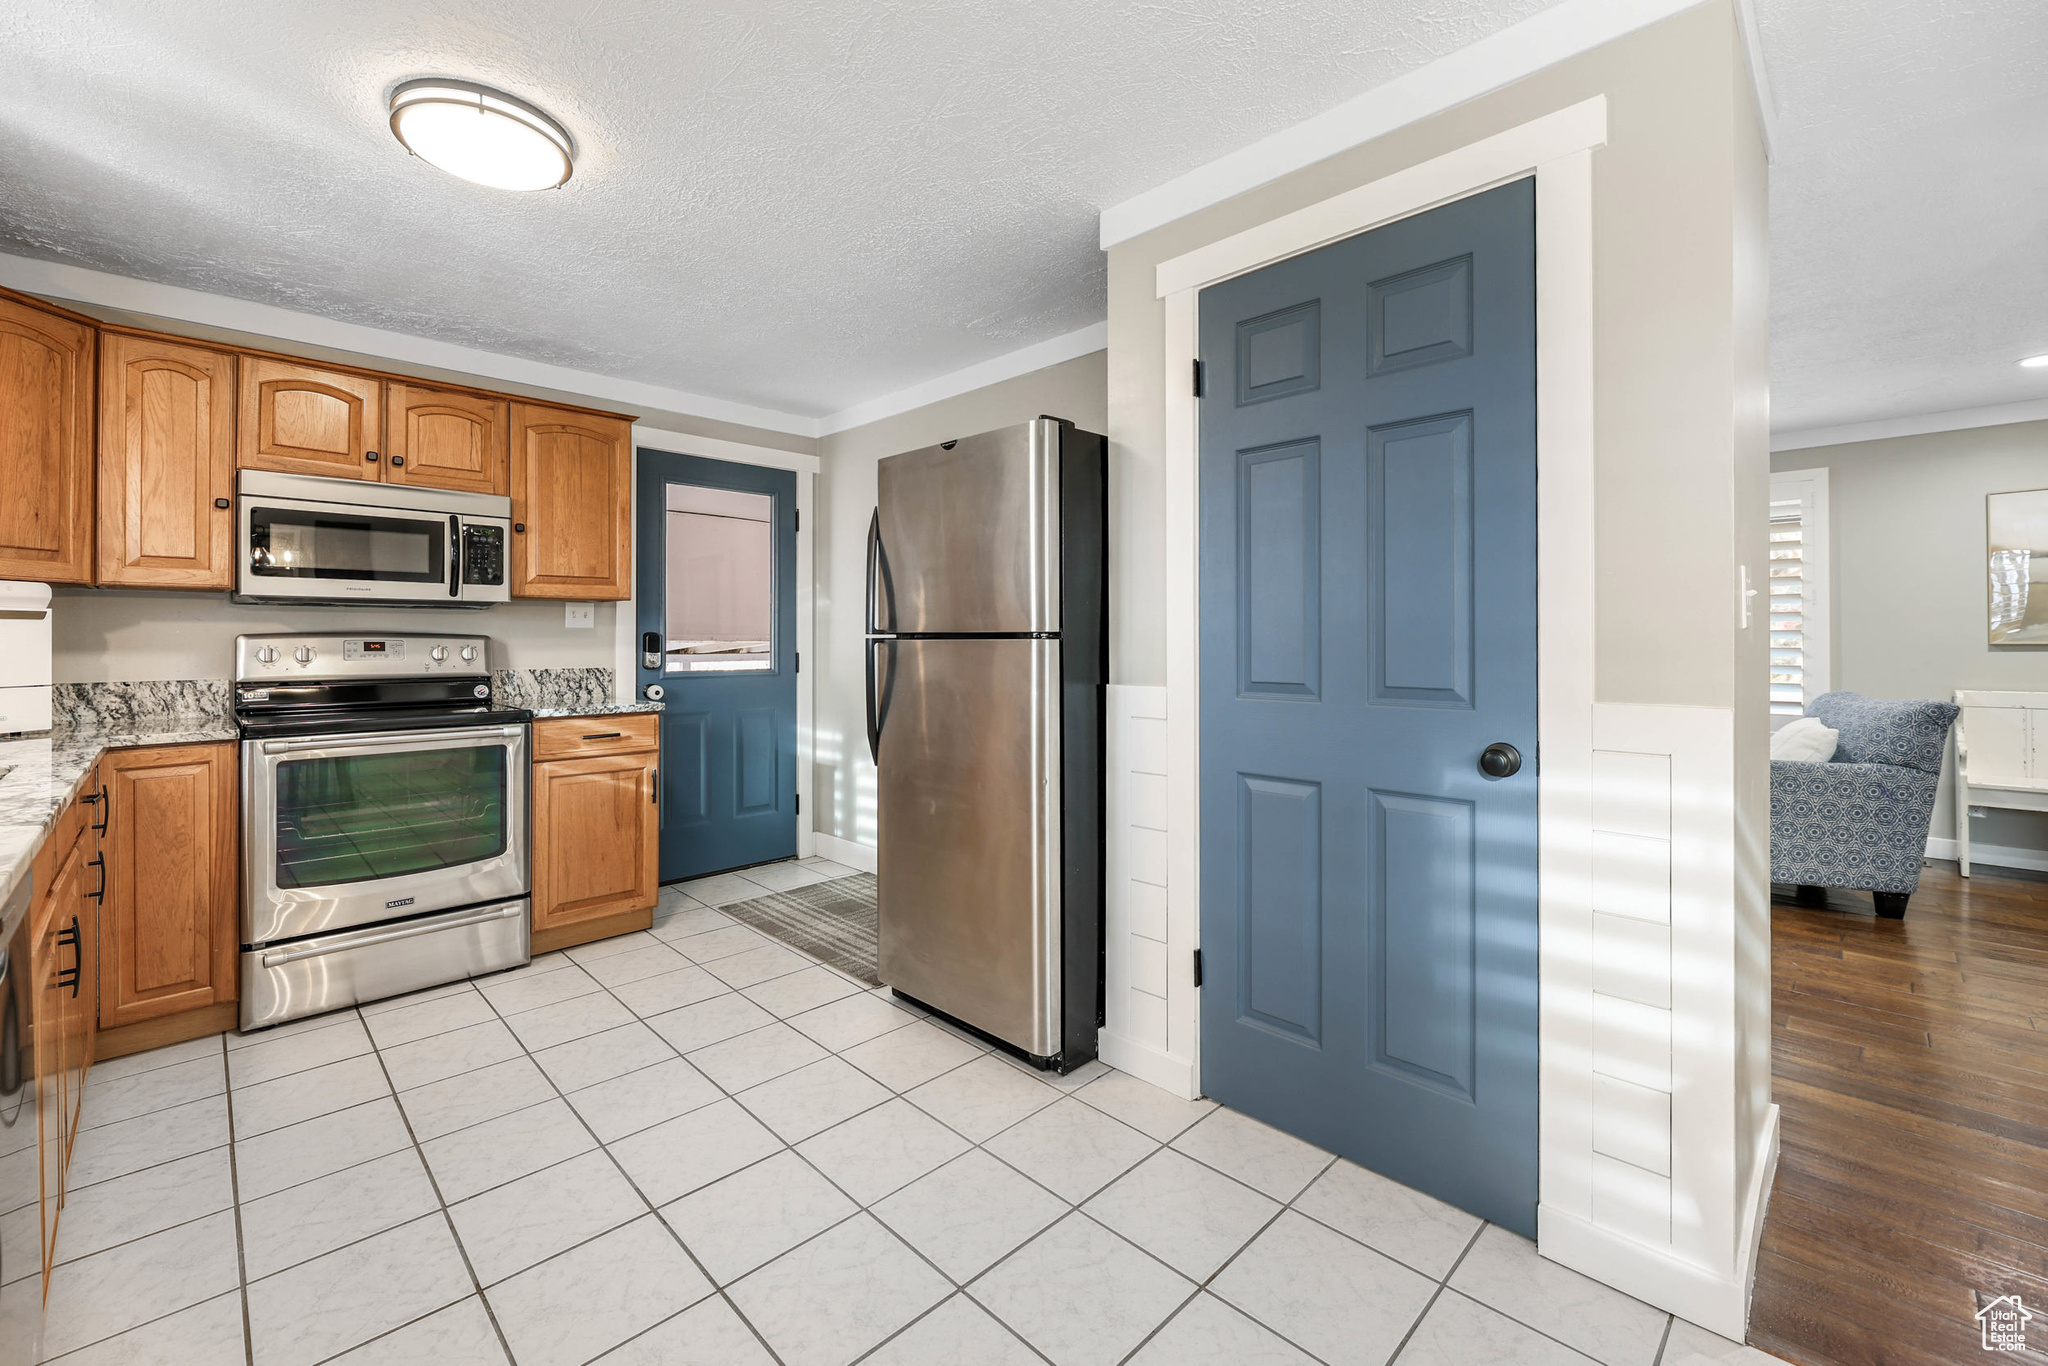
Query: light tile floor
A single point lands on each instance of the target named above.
(691, 1146)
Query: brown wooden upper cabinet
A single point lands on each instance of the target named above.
(572, 504)
(46, 368)
(166, 464)
(444, 439)
(171, 930)
(300, 419)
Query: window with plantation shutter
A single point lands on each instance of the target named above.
(1797, 589)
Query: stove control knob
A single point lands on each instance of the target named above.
(266, 654)
(438, 653)
(304, 654)
(469, 654)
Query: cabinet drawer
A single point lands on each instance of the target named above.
(574, 737)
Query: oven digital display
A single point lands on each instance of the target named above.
(387, 648)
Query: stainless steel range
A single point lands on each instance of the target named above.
(384, 820)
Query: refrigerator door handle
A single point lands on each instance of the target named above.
(874, 721)
(874, 559)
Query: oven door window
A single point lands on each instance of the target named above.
(331, 543)
(362, 817)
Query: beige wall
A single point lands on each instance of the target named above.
(1668, 193)
(103, 635)
(1906, 523)
(844, 779)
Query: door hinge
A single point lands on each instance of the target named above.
(1198, 967)
(797, 520)
(799, 660)
(1198, 379)
(799, 803)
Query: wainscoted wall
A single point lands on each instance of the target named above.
(1651, 1191)
(1149, 979)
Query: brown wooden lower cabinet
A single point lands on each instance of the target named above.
(63, 930)
(595, 838)
(170, 932)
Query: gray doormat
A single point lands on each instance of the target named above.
(831, 921)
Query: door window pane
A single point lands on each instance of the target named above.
(363, 816)
(721, 581)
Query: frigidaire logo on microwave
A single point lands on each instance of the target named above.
(402, 901)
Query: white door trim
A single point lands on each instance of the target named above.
(1558, 150)
(626, 646)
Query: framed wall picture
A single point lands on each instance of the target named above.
(2016, 558)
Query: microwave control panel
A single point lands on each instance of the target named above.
(483, 555)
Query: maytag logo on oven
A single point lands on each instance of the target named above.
(402, 901)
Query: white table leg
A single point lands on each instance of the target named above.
(1962, 821)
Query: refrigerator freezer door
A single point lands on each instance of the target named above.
(969, 538)
(970, 831)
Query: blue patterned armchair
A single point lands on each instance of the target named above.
(1861, 821)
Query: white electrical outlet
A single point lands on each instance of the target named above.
(579, 616)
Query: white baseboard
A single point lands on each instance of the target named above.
(1763, 1176)
(1691, 1291)
(859, 857)
(1991, 855)
(1163, 1070)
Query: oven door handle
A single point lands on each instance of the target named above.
(363, 941)
(390, 738)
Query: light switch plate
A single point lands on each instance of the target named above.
(579, 616)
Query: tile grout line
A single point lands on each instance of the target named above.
(1437, 1294)
(235, 1191)
(1664, 1343)
(627, 1177)
(448, 1220)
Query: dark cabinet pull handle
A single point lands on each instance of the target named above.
(519, 526)
(605, 735)
(1500, 760)
(370, 456)
(223, 503)
(68, 977)
(396, 461)
(105, 798)
(654, 786)
(99, 861)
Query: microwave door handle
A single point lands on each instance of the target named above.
(454, 556)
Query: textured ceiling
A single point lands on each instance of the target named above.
(797, 204)
(1909, 271)
(803, 205)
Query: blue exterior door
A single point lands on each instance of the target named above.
(1368, 630)
(715, 583)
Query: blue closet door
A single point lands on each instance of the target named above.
(1368, 629)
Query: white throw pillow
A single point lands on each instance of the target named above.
(1805, 741)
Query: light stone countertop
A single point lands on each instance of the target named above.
(595, 709)
(45, 769)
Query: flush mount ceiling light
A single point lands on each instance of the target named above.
(2035, 363)
(481, 134)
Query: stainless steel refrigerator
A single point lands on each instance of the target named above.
(986, 659)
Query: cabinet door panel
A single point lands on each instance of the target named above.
(46, 367)
(301, 420)
(167, 453)
(444, 439)
(171, 927)
(593, 838)
(572, 492)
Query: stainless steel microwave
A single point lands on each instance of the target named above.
(306, 539)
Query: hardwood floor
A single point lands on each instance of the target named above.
(1911, 1065)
